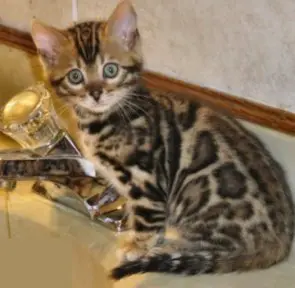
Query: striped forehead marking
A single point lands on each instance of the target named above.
(86, 37)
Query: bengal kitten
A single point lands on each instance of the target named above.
(205, 196)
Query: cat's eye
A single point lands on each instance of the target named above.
(75, 76)
(110, 70)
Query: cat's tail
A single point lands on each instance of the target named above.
(193, 262)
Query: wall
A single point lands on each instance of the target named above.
(246, 48)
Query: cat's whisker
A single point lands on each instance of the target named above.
(139, 96)
(126, 104)
(139, 108)
(127, 114)
(122, 113)
(62, 109)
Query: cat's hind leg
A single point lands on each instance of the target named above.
(147, 224)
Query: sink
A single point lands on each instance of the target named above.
(52, 246)
(55, 247)
(44, 249)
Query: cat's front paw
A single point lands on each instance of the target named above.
(130, 251)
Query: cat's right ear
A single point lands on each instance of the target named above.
(122, 25)
(49, 41)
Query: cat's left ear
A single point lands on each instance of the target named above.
(122, 25)
(49, 41)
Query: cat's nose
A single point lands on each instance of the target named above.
(95, 93)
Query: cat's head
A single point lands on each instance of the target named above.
(93, 64)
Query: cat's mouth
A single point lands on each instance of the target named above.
(106, 102)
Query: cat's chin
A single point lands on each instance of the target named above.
(90, 114)
(82, 110)
(100, 109)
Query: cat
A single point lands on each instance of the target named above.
(204, 194)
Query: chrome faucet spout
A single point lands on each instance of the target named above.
(68, 179)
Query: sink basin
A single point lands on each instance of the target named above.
(44, 247)
(52, 246)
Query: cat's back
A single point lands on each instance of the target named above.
(244, 182)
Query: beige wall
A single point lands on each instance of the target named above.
(244, 47)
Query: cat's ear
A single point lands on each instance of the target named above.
(122, 25)
(49, 41)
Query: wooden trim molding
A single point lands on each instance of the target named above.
(16, 38)
(270, 117)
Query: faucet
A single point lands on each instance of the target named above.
(50, 158)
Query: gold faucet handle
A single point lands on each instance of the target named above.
(29, 118)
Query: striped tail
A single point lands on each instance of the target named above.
(164, 263)
(201, 261)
